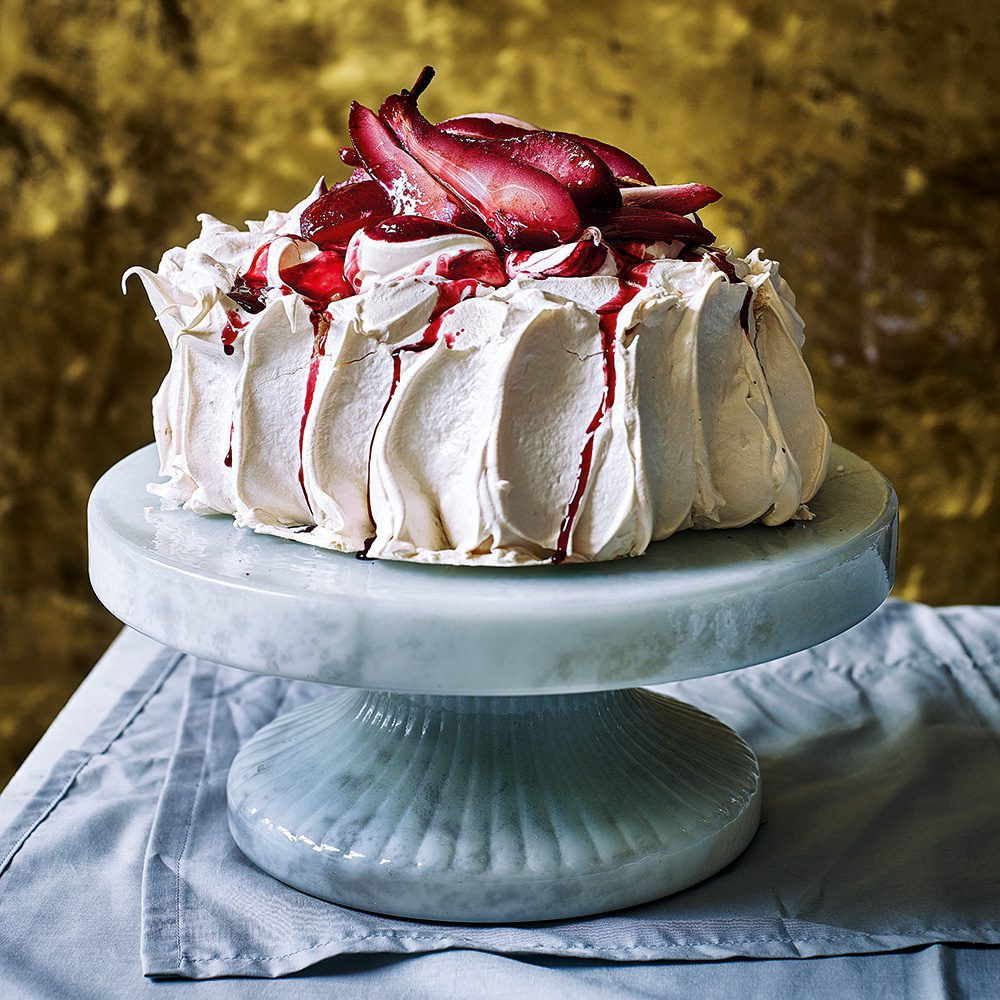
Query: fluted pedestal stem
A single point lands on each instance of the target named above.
(489, 809)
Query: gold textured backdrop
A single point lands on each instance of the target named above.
(856, 141)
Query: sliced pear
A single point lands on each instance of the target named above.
(333, 218)
(524, 207)
(679, 198)
(632, 223)
(411, 189)
(589, 180)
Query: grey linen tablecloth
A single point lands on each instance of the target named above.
(880, 753)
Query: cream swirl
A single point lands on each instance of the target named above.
(584, 258)
(372, 258)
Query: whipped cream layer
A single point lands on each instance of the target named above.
(442, 404)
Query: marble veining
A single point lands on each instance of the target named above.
(488, 809)
(696, 603)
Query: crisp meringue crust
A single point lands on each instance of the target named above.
(443, 419)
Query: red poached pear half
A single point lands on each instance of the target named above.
(623, 166)
(411, 189)
(626, 168)
(679, 198)
(586, 177)
(359, 174)
(404, 228)
(525, 207)
(632, 223)
(349, 155)
(486, 127)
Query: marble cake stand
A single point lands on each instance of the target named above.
(490, 754)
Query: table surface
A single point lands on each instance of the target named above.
(934, 971)
(698, 603)
(90, 703)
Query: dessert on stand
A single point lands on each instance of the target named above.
(494, 345)
(493, 364)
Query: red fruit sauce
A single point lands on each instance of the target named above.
(405, 228)
(584, 260)
(449, 294)
(234, 324)
(228, 460)
(630, 282)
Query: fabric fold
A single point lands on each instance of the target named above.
(880, 759)
(70, 765)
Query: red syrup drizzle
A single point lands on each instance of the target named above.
(449, 294)
(321, 327)
(248, 293)
(234, 324)
(584, 260)
(319, 281)
(249, 287)
(472, 266)
(630, 282)
(719, 259)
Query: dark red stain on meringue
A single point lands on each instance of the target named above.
(449, 294)
(630, 283)
(722, 262)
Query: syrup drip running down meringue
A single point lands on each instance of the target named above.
(650, 412)
(321, 327)
(722, 262)
(449, 294)
(234, 326)
(629, 285)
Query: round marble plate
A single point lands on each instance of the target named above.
(697, 603)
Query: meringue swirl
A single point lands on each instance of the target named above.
(431, 401)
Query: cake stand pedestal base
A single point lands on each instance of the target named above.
(493, 809)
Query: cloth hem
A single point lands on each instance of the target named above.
(68, 767)
(259, 967)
